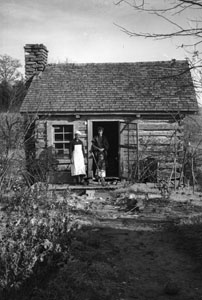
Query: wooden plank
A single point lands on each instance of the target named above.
(166, 173)
(159, 126)
(156, 140)
(157, 149)
(131, 132)
(166, 133)
(128, 146)
(169, 165)
(82, 127)
(131, 151)
(131, 141)
(160, 156)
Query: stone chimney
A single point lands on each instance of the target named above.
(36, 56)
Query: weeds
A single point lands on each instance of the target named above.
(36, 227)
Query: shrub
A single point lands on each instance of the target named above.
(36, 228)
(199, 178)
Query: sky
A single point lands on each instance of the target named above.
(82, 31)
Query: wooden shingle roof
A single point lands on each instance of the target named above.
(157, 86)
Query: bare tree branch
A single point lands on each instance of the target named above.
(180, 33)
(169, 21)
(195, 3)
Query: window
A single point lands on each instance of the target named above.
(62, 135)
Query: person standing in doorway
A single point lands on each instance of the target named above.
(100, 145)
(77, 155)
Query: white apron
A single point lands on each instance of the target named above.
(78, 166)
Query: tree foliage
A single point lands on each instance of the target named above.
(9, 69)
(12, 87)
(11, 96)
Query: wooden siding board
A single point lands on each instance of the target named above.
(165, 133)
(158, 126)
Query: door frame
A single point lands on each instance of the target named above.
(90, 137)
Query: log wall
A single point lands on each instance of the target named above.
(139, 139)
(162, 140)
(58, 170)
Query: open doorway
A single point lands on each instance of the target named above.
(111, 132)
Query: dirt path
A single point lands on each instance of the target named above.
(140, 264)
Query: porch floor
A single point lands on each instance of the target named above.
(59, 187)
(111, 183)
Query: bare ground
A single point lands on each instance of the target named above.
(123, 254)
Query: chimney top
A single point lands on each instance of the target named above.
(35, 46)
(36, 56)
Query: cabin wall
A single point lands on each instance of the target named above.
(162, 141)
(40, 137)
(57, 169)
(148, 144)
(139, 139)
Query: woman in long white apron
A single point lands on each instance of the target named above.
(77, 158)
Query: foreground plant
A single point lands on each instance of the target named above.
(37, 228)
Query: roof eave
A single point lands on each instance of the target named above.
(102, 113)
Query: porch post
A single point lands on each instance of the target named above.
(89, 143)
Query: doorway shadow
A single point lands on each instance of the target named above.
(111, 132)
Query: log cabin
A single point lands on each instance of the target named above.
(140, 105)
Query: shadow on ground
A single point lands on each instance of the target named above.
(108, 263)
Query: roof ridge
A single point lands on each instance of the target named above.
(117, 63)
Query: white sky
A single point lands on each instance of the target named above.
(81, 31)
(85, 31)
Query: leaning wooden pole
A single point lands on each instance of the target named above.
(175, 158)
(138, 149)
(192, 170)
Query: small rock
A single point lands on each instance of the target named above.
(80, 206)
(77, 245)
(140, 205)
(90, 193)
(172, 288)
(131, 203)
(154, 196)
(132, 196)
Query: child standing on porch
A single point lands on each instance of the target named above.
(101, 168)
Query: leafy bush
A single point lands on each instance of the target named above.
(36, 227)
(199, 178)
